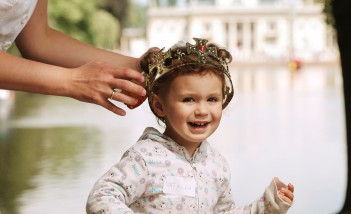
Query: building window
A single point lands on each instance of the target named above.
(271, 33)
(239, 35)
(253, 35)
(237, 2)
(206, 2)
(227, 34)
(207, 27)
(268, 1)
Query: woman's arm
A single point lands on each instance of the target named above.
(39, 42)
(92, 83)
(56, 64)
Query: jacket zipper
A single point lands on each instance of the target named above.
(191, 162)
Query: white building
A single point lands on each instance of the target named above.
(253, 30)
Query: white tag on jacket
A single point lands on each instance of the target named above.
(179, 186)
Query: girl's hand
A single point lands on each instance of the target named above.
(285, 192)
(95, 82)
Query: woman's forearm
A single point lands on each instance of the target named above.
(53, 47)
(62, 50)
(93, 82)
(56, 64)
(25, 75)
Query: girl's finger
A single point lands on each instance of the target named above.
(287, 193)
(286, 199)
(291, 187)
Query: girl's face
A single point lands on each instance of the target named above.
(192, 108)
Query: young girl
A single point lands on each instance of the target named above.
(179, 171)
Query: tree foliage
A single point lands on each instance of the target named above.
(118, 9)
(85, 21)
(327, 10)
(136, 16)
(130, 14)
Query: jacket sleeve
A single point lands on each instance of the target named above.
(269, 203)
(119, 187)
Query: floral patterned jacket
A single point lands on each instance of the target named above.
(157, 176)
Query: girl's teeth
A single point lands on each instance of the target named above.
(199, 124)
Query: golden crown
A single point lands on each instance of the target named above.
(187, 54)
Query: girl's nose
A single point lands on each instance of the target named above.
(201, 110)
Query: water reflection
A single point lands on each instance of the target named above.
(29, 152)
(276, 78)
(279, 123)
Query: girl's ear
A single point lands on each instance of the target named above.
(156, 104)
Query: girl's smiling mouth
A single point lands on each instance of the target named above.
(198, 124)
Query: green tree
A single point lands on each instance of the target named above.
(136, 16)
(118, 9)
(327, 10)
(128, 12)
(85, 21)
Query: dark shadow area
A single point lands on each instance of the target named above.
(342, 15)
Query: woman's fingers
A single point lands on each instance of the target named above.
(129, 86)
(111, 107)
(99, 83)
(123, 98)
(127, 74)
(147, 58)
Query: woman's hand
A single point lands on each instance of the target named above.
(143, 62)
(96, 82)
(285, 192)
(147, 58)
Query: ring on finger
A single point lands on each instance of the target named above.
(114, 91)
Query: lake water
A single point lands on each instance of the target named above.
(280, 123)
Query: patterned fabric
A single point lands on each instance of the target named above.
(156, 175)
(14, 15)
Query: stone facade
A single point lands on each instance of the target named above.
(253, 30)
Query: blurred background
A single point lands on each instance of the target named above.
(286, 118)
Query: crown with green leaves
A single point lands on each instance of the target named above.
(187, 55)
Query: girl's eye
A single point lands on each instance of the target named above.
(213, 99)
(188, 100)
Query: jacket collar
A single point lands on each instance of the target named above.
(153, 134)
